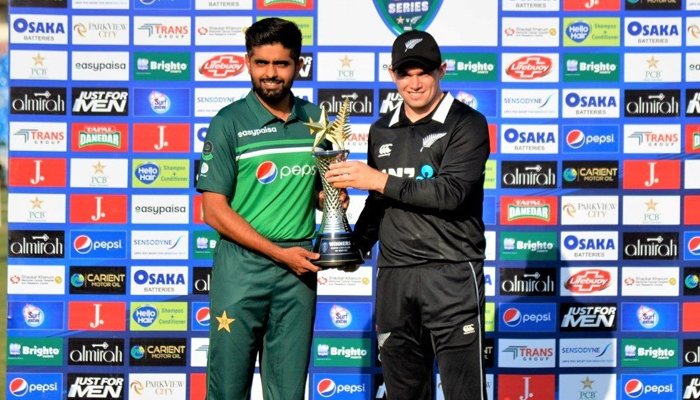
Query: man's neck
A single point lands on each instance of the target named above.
(415, 115)
(281, 109)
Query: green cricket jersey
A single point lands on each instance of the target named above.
(264, 166)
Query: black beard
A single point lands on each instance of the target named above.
(272, 97)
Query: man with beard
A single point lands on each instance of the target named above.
(258, 178)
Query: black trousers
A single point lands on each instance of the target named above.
(429, 311)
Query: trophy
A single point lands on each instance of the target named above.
(334, 238)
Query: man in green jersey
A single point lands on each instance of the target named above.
(257, 177)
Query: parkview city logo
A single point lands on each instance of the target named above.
(529, 210)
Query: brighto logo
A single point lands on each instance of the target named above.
(267, 171)
(327, 387)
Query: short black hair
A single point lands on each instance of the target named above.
(274, 30)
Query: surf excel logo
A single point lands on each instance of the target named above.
(407, 15)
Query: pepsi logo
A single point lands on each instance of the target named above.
(202, 316)
(694, 245)
(326, 387)
(82, 244)
(266, 173)
(634, 388)
(19, 387)
(575, 139)
(512, 317)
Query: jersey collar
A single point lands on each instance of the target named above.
(439, 114)
(264, 116)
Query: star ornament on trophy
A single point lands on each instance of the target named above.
(334, 237)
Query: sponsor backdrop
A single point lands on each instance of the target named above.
(592, 205)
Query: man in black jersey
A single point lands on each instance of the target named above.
(425, 176)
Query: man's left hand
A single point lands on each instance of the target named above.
(357, 175)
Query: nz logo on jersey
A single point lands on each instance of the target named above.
(402, 16)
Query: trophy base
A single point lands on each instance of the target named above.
(336, 250)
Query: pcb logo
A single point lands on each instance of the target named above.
(402, 16)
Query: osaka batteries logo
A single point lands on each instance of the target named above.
(266, 173)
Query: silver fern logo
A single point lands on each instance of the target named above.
(412, 43)
(432, 138)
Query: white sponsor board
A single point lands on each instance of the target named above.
(692, 29)
(652, 67)
(334, 282)
(529, 103)
(38, 136)
(490, 281)
(158, 386)
(587, 352)
(208, 101)
(383, 67)
(531, 5)
(357, 142)
(100, 4)
(530, 32)
(36, 279)
(692, 178)
(530, 67)
(589, 210)
(160, 209)
(38, 64)
(220, 67)
(100, 66)
(199, 135)
(589, 245)
(36, 208)
(39, 28)
(650, 281)
(651, 210)
(590, 103)
(478, 26)
(100, 29)
(221, 31)
(345, 67)
(653, 32)
(227, 5)
(167, 245)
(491, 244)
(587, 386)
(159, 281)
(529, 139)
(652, 139)
(530, 353)
(692, 66)
(588, 281)
(199, 348)
(99, 172)
(162, 31)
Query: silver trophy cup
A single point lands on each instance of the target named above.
(334, 238)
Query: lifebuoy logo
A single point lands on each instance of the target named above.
(222, 66)
(529, 67)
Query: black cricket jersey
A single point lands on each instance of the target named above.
(432, 206)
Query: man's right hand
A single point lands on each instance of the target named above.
(297, 259)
